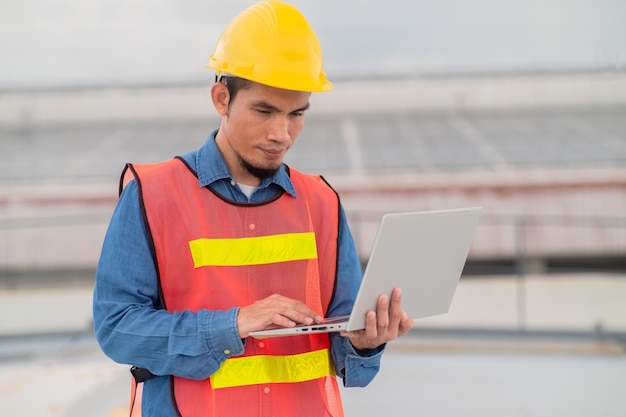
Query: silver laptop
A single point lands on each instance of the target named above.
(423, 253)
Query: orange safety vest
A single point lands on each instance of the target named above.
(232, 254)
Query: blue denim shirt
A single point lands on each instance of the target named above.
(132, 328)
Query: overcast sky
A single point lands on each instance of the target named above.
(78, 42)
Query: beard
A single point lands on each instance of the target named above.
(258, 172)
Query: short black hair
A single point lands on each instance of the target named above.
(234, 84)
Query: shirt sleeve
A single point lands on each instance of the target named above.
(357, 370)
(130, 325)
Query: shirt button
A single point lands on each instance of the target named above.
(266, 390)
(252, 226)
(227, 352)
(261, 345)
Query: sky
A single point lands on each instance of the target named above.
(46, 43)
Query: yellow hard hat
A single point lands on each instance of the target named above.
(271, 43)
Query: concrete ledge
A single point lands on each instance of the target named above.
(494, 341)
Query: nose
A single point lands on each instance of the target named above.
(279, 130)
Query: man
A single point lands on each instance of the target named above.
(208, 247)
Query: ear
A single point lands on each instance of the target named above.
(220, 98)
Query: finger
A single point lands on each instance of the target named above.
(406, 324)
(303, 314)
(382, 314)
(371, 330)
(395, 311)
(282, 321)
(295, 310)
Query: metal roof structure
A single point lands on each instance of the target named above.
(341, 144)
(545, 156)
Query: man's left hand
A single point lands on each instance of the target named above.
(383, 325)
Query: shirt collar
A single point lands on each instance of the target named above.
(211, 167)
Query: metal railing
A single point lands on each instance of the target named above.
(522, 261)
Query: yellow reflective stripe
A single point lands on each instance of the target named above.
(251, 370)
(253, 250)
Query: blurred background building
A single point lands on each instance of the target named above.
(518, 107)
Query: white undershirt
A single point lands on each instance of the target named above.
(247, 189)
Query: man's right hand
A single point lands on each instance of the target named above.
(274, 310)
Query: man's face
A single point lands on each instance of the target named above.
(258, 129)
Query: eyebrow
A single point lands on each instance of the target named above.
(264, 104)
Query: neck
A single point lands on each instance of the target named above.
(239, 173)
